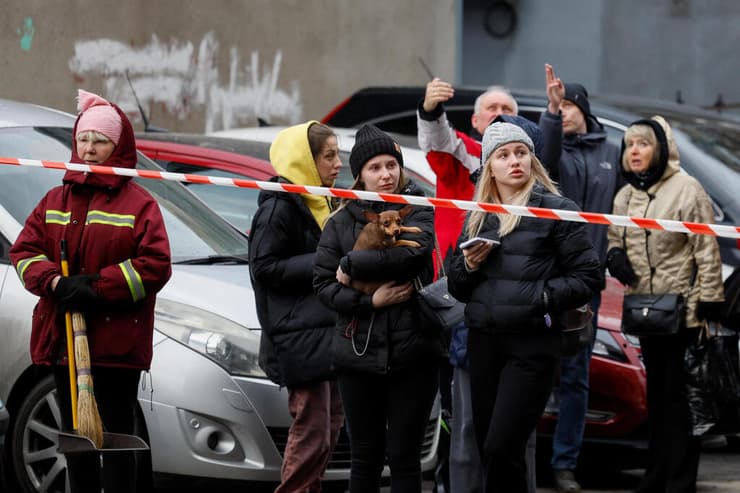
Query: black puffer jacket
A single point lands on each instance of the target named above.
(587, 169)
(505, 294)
(398, 338)
(296, 326)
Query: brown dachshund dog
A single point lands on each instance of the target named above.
(382, 231)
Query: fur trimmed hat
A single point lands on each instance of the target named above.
(370, 141)
(501, 133)
(98, 115)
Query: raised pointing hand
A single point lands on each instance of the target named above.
(554, 88)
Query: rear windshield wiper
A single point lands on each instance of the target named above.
(214, 259)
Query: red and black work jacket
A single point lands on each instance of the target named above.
(113, 228)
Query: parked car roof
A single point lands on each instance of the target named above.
(414, 159)
(18, 114)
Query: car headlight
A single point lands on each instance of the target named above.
(228, 344)
(606, 347)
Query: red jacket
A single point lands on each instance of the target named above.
(453, 182)
(113, 228)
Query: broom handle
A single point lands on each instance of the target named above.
(70, 341)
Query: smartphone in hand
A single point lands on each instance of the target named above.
(477, 240)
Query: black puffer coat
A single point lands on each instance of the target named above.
(398, 337)
(296, 326)
(505, 294)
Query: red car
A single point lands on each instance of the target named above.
(213, 156)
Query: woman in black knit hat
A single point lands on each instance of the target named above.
(385, 356)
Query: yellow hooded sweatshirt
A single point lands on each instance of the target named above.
(291, 157)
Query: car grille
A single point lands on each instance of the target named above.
(341, 457)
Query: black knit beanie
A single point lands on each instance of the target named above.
(577, 94)
(370, 141)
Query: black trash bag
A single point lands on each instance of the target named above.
(713, 383)
(703, 412)
(724, 370)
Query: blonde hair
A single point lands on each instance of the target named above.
(487, 191)
(640, 131)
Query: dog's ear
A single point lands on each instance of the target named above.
(405, 211)
(371, 216)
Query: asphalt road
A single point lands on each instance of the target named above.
(719, 472)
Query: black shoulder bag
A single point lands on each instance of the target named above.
(438, 308)
(645, 315)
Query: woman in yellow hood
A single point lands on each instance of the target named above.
(296, 326)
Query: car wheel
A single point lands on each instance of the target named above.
(38, 466)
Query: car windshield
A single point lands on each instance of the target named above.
(195, 231)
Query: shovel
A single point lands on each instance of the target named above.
(90, 438)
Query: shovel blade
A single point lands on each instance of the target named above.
(72, 443)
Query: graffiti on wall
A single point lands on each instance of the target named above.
(182, 79)
(26, 34)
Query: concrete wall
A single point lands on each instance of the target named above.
(200, 66)
(641, 48)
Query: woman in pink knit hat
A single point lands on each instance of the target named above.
(119, 258)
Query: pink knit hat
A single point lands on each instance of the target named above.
(98, 115)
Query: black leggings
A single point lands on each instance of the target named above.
(674, 453)
(387, 415)
(115, 393)
(511, 376)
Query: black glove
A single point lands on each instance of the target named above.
(620, 267)
(77, 293)
(710, 311)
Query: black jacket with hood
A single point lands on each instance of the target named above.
(296, 326)
(398, 337)
(586, 167)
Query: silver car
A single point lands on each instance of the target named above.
(206, 408)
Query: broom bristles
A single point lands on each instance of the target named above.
(90, 424)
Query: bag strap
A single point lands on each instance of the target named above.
(440, 266)
(440, 263)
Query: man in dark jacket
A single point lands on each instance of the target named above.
(296, 326)
(585, 164)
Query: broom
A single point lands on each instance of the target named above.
(90, 424)
(85, 416)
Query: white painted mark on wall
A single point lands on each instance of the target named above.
(174, 75)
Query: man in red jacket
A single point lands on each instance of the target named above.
(119, 258)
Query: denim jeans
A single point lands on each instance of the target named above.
(573, 392)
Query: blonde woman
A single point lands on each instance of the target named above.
(655, 262)
(514, 292)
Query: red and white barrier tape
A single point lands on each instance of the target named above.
(554, 214)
